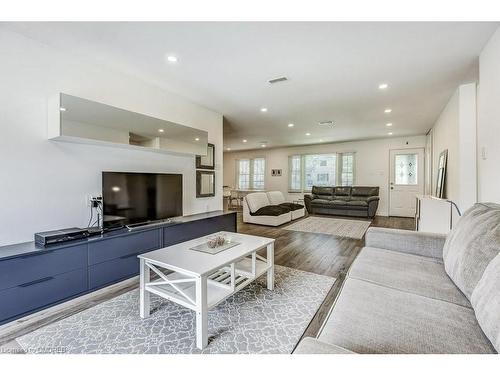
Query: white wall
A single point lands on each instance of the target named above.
(467, 141)
(372, 162)
(445, 137)
(43, 183)
(455, 131)
(488, 127)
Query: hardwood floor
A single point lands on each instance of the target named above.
(312, 252)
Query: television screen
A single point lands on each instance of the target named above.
(133, 198)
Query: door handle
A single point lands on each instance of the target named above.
(392, 188)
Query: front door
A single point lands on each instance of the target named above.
(406, 181)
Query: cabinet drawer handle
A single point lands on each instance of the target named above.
(36, 282)
(128, 256)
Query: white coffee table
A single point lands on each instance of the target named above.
(199, 281)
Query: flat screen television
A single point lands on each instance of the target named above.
(137, 198)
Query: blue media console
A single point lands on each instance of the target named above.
(34, 278)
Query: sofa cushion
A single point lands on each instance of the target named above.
(486, 302)
(361, 198)
(369, 318)
(275, 197)
(342, 190)
(322, 192)
(364, 191)
(406, 241)
(356, 203)
(292, 206)
(256, 201)
(343, 198)
(309, 345)
(407, 272)
(321, 202)
(339, 202)
(270, 211)
(472, 244)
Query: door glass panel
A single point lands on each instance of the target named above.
(405, 169)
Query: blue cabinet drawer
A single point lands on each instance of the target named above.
(113, 248)
(35, 266)
(113, 270)
(36, 294)
(188, 231)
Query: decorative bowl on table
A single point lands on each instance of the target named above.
(216, 241)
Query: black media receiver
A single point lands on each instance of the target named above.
(61, 235)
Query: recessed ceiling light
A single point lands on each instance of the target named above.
(308, 134)
(291, 125)
(262, 145)
(244, 141)
(229, 148)
(62, 109)
(321, 140)
(161, 130)
(390, 133)
(383, 86)
(263, 109)
(197, 139)
(389, 124)
(388, 110)
(172, 59)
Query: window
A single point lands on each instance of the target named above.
(295, 168)
(322, 177)
(250, 174)
(306, 171)
(406, 169)
(259, 167)
(319, 170)
(347, 169)
(243, 174)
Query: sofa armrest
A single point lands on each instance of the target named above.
(311, 345)
(307, 202)
(406, 241)
(372, 205)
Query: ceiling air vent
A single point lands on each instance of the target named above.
(277, 80)
(326, 123)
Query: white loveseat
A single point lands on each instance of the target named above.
(270, 208)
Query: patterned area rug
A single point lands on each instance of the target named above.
(336, 227)
(254, 320)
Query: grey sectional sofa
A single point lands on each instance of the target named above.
(413, 292)
(359, 201)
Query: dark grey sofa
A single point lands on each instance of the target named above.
(359, 201)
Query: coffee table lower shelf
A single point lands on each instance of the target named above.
(219, 285)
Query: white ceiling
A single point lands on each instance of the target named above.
(334, 70)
